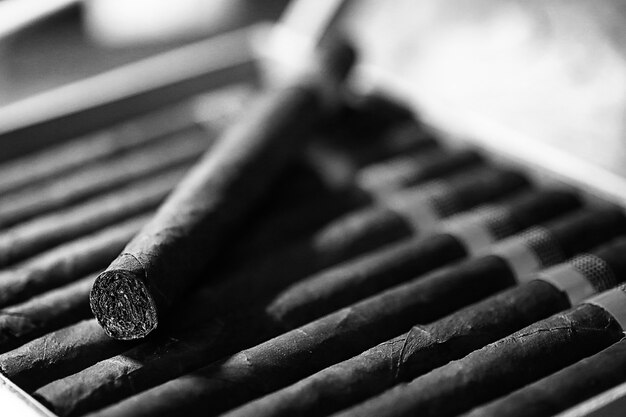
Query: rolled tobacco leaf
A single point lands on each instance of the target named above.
(565, 388)
(44, 313)
(159, 265)
(338, 336)
(426, 347)
(67, 262)
(73, 347)
(508, 364)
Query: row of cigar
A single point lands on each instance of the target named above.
(426, 281)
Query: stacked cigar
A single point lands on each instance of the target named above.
(325, 254)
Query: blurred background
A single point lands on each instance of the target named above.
(82, 39)
(509, 72)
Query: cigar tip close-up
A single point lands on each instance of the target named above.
(123, 305)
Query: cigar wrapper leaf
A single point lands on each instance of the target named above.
(49, 311)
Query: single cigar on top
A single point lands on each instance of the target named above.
(146, 365)
(93, 179)
(48, 311)
(396, 217)
(67, 262)
(163, 260)
(426, 347)
(296, 354)
(531, 353)
(564, 389)
(460, 236)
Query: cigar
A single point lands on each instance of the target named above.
(100, 177)
(531, 353)
(32, 237)
(132, 295)
(426, 347)
(55, 354)
(564, 389)
(460, 236)
(98, 385)
(407, 170)
(67, 262)
(49, 311)
(338, 336)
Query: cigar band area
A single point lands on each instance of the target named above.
(579, 278)
(528, 252)
(416, 206)
(614, 303)
(471, 231)
(122, 304)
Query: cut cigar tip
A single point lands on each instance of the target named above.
(122, 304)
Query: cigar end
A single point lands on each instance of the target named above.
(123, 305)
